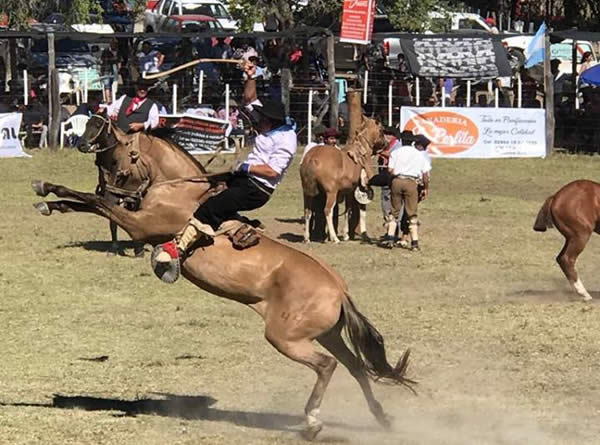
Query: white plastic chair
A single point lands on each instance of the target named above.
(74, 125)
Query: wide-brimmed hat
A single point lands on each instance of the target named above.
(144, 83)
(331, 133)
(392, 131)
(422, 140)
(271, 109)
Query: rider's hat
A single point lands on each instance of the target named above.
(271, 109)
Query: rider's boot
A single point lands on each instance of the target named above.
(176, 249)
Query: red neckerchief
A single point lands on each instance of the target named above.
(136, 101)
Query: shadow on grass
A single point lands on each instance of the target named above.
(291, 237)
(290, 220)
(550, 296)
(190, 408)
(102, 246)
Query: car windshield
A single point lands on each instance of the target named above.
(564, 51)
(214, 10)
(61, 46)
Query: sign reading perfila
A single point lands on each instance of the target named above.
(448, 56)
(198, 134)
(357, 21)
(479, 132)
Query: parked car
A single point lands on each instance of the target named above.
(157, 19)
(76, 62)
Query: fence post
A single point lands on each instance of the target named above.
(174, 99)
(390, 105)
(366, 87)
(468, 93)
(418, 91)
(549, 96)
(333, 96)
(227, 112)
(200, 86)
(309, 123)
(286, 77)
(519, 90)
(25, 88)
(53, 95)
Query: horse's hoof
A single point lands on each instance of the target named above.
(43, 208)
(364, 238)
(311, 432)
(38, 187)
(385, 421)
(346, 238)
(306, 241)
(587, 298)
(139, 253)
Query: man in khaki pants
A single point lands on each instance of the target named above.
(409, 168)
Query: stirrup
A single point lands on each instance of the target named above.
(165, 261)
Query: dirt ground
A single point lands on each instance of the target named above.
(96, 350)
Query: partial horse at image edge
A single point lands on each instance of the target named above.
(575, 212)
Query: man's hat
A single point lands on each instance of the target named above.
(422, 140)
(144, 83)
(393, 131)
(331, 133)
(271, 109)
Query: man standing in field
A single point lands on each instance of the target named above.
(409, 167)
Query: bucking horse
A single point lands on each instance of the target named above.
(300, 298)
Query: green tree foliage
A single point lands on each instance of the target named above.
(79, 11)
(19, 12)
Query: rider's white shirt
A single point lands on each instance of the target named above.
(275, 148)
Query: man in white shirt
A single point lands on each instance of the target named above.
(251, 186)
(409, 168)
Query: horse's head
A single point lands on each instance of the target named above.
(98, 135)
(374, 135)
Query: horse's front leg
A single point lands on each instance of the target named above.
(345, 228)
(364, 237)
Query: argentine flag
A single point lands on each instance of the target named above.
(535, 51)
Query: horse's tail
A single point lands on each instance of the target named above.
(544, 217)
(310, 185)
(367, 344)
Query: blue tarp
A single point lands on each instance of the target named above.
(591, 76)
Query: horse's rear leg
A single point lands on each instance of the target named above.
(302, 351)
(334, 343)
(308, 202)
(566, 260)
(329, 205)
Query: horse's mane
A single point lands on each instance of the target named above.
(174, 146)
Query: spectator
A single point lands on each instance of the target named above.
(586, 61)
(149, 59)
(492, 24)
(109, 69)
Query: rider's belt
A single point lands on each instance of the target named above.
(263, 188)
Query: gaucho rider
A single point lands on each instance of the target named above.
(253, 181)
(137, 113)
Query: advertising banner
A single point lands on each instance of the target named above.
(198, 134)
(357, 21)
(10, 144)
(479, 132)
(479, 57)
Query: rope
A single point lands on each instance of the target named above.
(189, 64)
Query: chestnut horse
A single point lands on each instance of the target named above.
(124, 176)
(575, 211)
(337, 174)
(299, 297)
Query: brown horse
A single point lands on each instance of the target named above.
(337, 174)
(123, 169)
(575, 211)
(299, 297)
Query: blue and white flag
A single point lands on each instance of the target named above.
(535, 51)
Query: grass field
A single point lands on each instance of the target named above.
(503, 351)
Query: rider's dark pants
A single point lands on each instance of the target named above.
(243, 193)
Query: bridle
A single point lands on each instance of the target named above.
(105, 122)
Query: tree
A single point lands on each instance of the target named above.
(79, 11)
(19, 12)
